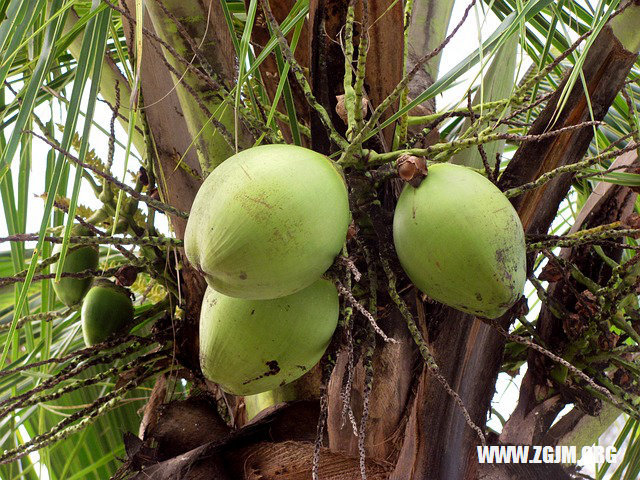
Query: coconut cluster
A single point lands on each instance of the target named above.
(264, 226)
(106, 308)
(269, 221)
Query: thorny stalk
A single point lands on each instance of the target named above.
(574, 167)
(345, 394)
(45, 262)
(349, 153)
(67, 427)
(367, 363)
(358, 306)
(577, 372)
(83, 353)
(69, 371)
(35, 317)
(361, 67)
(349, 92)
(322, 420)
(583, 237)
(163, 207)
(85, 382)
(347, 326)
(448, 148)
(424, 349)
(83, 274)
(138, 241)
(328, 363)
(516, 97)
(301, 78)
(351, 267)
(112, 127)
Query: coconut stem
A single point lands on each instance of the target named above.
(362, 135)
(424, 349)
(602, 233)
(349, 92)
(66, 427)
(361, 68)
(440, 152)
(401, 133)
(34, 317)
(300, 77)
(575, 167)
(625, 26)
(107, 240)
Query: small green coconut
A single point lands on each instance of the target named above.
(106, 310)
(69, 290)
(251, 346)
(268, 222)
(254, 404)
(460, 241)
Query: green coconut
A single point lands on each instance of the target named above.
(106, 310)
(251, 346)
(460, 241)
(69, 290)
(268, 222)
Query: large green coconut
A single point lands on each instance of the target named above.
(106, 310)
(460, 241)
(69, 290)
(268, 222)
(251, 346)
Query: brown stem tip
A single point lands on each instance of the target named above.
(412, 169)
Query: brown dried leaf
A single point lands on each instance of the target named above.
(608, 341)
(352, 231)
(126, 275)
(144, 177)
(622, 378)
(551, 273)
(573, 325)
(632, 220)
(587, 305)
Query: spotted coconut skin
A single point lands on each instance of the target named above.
(252, 346)
(106, 310)
(460, 241)
(71, 291)
(268, 222)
